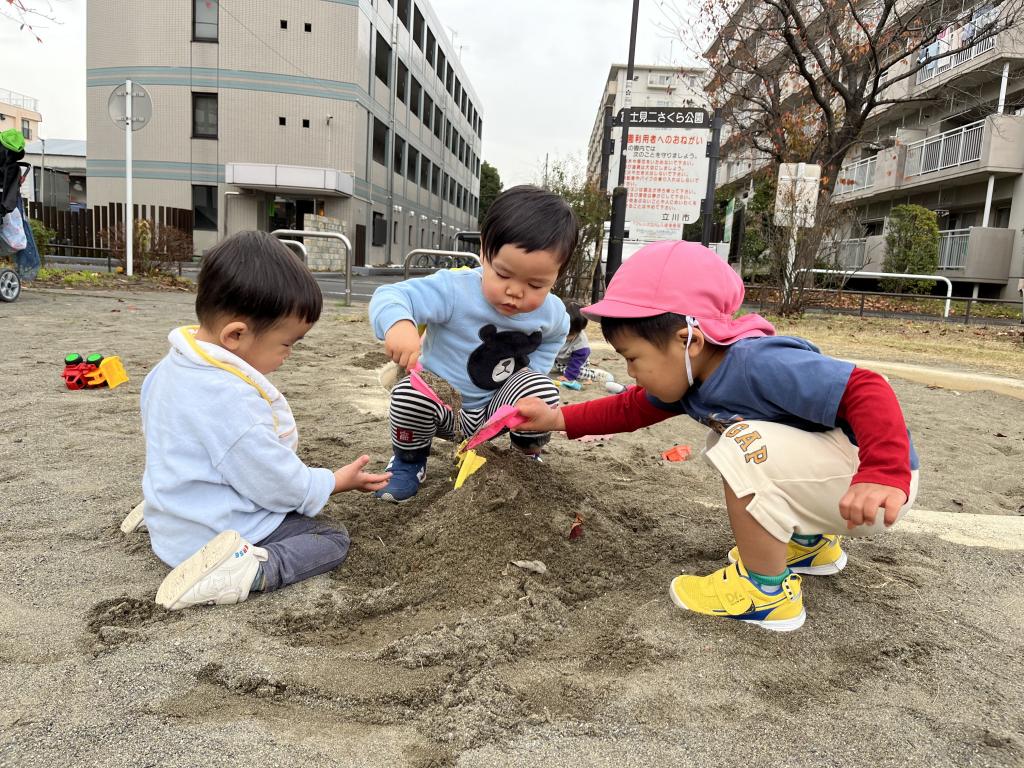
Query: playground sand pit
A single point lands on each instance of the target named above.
(429, 647)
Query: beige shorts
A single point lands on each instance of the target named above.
(797, 477)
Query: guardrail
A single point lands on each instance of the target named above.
(941, 66)
(953, 245)
(946, 280)
(290, 233)
(945, 150)
(433, 252)
(857, 176)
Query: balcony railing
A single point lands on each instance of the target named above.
(16, 99)
(851, 253)
(941, 66)
(857, 176)
(946, 150)
(953, 248)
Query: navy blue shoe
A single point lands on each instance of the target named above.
(405, 479)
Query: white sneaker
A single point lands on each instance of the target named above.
(220, 573)
(134, 521)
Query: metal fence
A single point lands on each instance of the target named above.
(941, 66)
(842, 301)
(953, 248)
(851, 253)
(857, 176)
(945, 150)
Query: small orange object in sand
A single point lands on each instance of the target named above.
(677, 453)
(576, 530)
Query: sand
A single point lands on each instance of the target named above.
(429, 648)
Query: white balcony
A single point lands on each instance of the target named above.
(953, 245)
(857, 176)
(945, 150)
(942, 66)
(850, 254)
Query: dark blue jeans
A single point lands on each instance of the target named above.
(300, 548)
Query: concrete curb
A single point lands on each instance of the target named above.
(939, 377)
(996, 531)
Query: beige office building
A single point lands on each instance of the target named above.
(345, 115)
(19, 112)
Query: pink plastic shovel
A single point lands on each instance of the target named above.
(506, 416)
(422, 387)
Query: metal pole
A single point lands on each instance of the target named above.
(41, 192)
(709, 196)
(129, 218)
(619, 195)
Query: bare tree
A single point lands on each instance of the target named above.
(28, 16)
(800, 80)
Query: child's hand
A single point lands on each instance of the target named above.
(352, 478)
(860, 504)
(402, 343)
(540, 417)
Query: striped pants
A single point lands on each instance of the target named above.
(416, 420)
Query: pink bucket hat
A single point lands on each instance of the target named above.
(686, 279)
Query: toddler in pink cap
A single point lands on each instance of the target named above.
(810, 448)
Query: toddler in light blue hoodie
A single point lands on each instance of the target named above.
(228, 503)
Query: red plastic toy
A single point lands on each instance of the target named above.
(677, 453)
(76, 367)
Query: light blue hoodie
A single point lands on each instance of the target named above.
(220, 451)
(468, 342)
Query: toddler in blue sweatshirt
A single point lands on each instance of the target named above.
(228, 503)
(491, 332)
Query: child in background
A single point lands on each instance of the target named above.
(491, 332)
(571, 362)
(809, 447)
(228, 504)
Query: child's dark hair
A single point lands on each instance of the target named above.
(533, 219)
(659, 330)
(577, 320)
(255, 276)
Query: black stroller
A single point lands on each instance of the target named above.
(12, 171)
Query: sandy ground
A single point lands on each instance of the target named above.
(428, 648)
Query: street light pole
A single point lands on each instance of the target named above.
(618, 225)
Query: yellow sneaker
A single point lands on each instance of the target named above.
(728, 593)
(822, 559)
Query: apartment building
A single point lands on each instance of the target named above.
(954, 143)
(345, 115)
(19, 112)
(653, 86)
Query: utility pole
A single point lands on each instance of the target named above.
(618, 225)
(606, 152)
(709, 196)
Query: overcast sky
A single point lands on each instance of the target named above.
(539, 67)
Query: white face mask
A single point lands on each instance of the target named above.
(691, 323)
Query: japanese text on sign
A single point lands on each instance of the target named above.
(666, 175)
(666, 117)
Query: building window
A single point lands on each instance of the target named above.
(399, 155)
(308, 27)
(424, 172)
(458, 92)
(379, 230)
(282, 121)
(380, 142)
(305, 122)
(204, 207)
(441, 62)
(417, 28)
(403, 78)
(26, 128)
(415, 94)
(204, 21)
(204, 115)
(437, 121)
(403, 12)
(449, 80)
(284, 23)
(435, 180)
(382, 62)
(428, 111)
(413, 163)
(431, 47)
